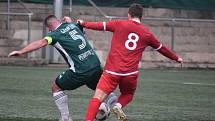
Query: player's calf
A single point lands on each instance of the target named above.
(111, 100)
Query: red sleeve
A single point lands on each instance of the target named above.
(166, 52)
(110, 25)
(102, 26)
(153, 42)
(93, 25)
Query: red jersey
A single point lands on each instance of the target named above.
(130, 38)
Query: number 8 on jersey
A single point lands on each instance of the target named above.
(133, 40)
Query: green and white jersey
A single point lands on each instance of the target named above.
(70, 41)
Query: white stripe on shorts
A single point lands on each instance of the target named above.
(120, 74)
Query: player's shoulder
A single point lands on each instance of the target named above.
(65, 27)
(145, 29)
(50, 34)
(74, 25)
(68, 25)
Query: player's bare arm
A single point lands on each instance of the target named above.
(29, 48)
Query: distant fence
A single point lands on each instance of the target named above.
(175, 4)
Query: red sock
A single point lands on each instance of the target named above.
(125, 99)
(93, 108)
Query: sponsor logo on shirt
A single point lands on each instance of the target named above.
(86, 54)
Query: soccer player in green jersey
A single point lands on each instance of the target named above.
(84, 65)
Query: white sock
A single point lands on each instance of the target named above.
(111, 100)
(119, 105)
(61, 100)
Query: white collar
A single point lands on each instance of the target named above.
(136, 20)
(58, 26)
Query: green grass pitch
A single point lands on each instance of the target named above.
(162, 95)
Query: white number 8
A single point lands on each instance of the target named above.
(133, 41)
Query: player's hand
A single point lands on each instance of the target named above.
(14, 53)
(180, 60)
(67, 19)
(79, 21)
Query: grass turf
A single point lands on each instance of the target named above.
(170, 95)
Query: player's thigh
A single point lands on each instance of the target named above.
(68, 80)
(128, 84)
(108, 83)
(93, 78)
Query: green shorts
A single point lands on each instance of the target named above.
(70, 80)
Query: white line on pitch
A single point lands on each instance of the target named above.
(198, 84)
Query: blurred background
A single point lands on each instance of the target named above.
(164, 93)
(185, 26)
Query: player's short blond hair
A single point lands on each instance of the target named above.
(49, 19)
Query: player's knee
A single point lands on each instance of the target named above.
(54, 87)
(99, 94)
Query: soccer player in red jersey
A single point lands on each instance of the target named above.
(129, 40)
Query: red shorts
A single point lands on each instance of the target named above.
(109, 82)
